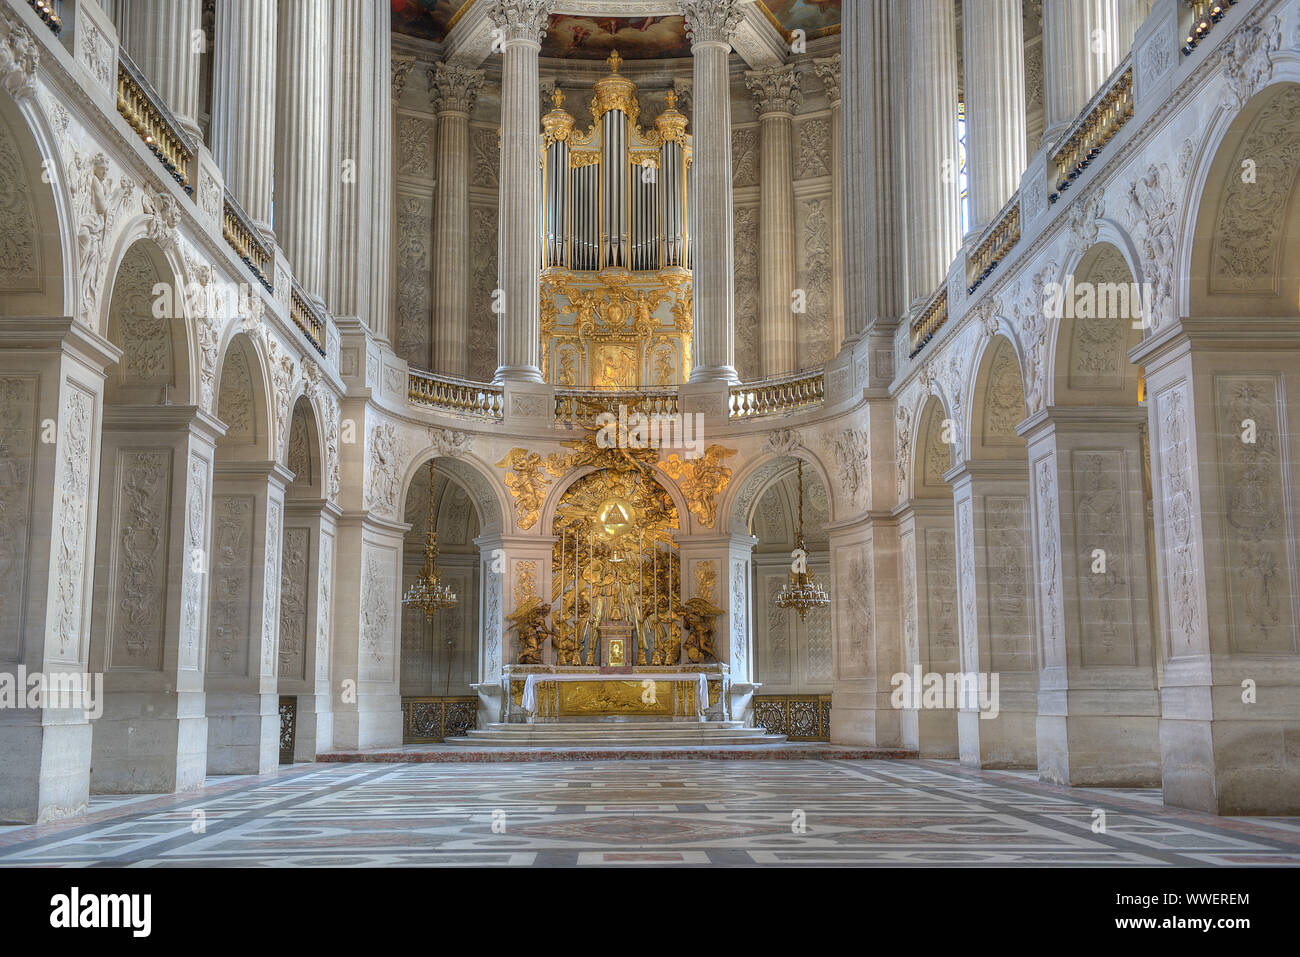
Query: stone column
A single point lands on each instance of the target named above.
(995, 612)
(301, 124)
(519, 244)
(358, 176)
(1080, 49)
(244, 617)
(307, 588)
(49, 369)
(875, 261)
(711, 25)
(776, 98)
(149, 611)
(243, 103)
(163, 38)
(1223, 424)
(829, 70)
(1098, 706)
(994, 45)
(454, 91)
(929, 614)
(1132, 14)
(930, 103)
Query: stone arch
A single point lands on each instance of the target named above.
(155, 364)
(749, 484)
(243, 402)
(1088, 362)
(1242, 255)
(471, 474)
(997, 403)
(931, 456)
(38, 246)
(304, 453)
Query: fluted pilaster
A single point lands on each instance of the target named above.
(1080, 49)
(875, 259)
(523, 24)
(829, 71)
(711, 24)
(161, 37)
(302, 97)
(1132, 14)
(994, 48)
(776, 98)
(243, 103)
(454, 90)
(934, 220)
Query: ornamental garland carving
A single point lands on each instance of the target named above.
(701, 480)
(17, 441)
(449, 443)
(853, 465)
(829, 71)
(860, 628)
(141, 579)
(1176, 501)
(230, 595)
(908, 544)
(902, 443)
(20, 258)
(941, 595)
(74, 499)
(194, 565)
(293, 604)
(271, 588)
(324, 609)
(376, 610)
(739, 627)
(1100, 518)
(1049, 550)
(1248, 59)
(969, 621)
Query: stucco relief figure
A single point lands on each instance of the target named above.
(529, 622)
(698, 620)
(667, 643)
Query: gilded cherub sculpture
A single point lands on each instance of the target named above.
(529, 622)
(698, 617)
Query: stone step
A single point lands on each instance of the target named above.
(621, 734)
(617, 727)
(606, 743)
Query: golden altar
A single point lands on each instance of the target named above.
(668, 693)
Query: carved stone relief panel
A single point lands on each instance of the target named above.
(414, 294)
(941, 599)
(1258, 531)
(1101, 526)
(816, 628)
(853, 598)
(138, 603)
(1179, 519)
(20, 252)
(324, 605)
(377, 612)
(482, 320)
(271, 587)
(748, 361)
(1049, 553)
(1097, 342)
(235, 404)
(1006, 524)
(293, 603)
(1004, 399)
(17, 455)
(230, 597)
(414, 146)
(815, 219)
(744, 156)
(813, 151)
(485, 157)
(774, 654)
(70, 549)
(739, 620)
(194, 567)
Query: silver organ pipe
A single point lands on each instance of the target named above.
(616, 196)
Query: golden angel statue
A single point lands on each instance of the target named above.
(698, 618)
(529, 622)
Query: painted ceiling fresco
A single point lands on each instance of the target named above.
(815, 17)
(592, 38)
(428, 19)
(635, 38)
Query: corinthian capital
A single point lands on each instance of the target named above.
(711, 20)
(521, 19)
(775, 89)
(454, 88)
(829, 70)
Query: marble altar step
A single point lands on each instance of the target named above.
(616, 734)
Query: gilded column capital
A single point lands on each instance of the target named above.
(521, 19)
(402, 66)
(828, 68)
(454, 88)
(711, 21)
(775, 89)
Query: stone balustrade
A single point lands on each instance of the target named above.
(462, 397)
(773, 396)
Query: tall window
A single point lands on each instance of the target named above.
(963, 185)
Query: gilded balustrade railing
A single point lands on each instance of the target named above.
(772, 396)
(45, 9)
(1109, 110)
(580, 408)
(239, 232)
(144, 112)
(455, 395)
(997, 242)
(932, 317)
(307, 317)
(1205, 14)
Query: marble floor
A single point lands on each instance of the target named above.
(653, 812)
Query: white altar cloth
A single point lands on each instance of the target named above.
(529, 701)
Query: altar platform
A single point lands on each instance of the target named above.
(463, 751)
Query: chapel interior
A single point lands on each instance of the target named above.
(912, 383)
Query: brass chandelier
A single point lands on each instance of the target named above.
(802, 591)
(428, 593)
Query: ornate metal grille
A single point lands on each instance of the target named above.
(288, 728)
(432, 719)
(800, 717)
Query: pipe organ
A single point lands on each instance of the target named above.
(616, 243)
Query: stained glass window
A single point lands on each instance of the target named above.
(962, 181)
